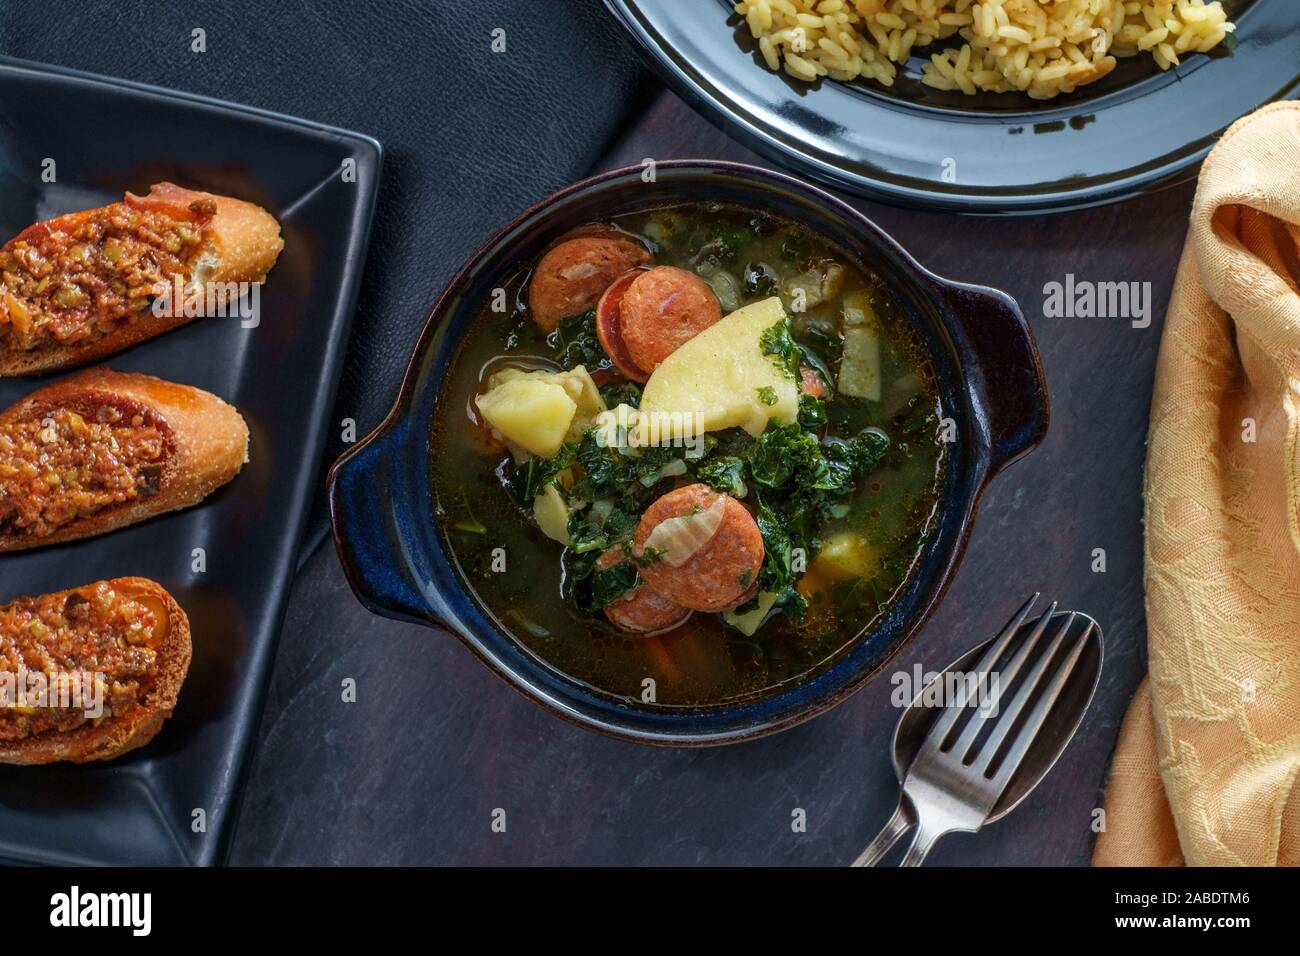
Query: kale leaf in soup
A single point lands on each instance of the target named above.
(696, 461)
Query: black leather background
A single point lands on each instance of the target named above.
(470, 136)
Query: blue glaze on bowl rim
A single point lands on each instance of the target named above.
(380, 494)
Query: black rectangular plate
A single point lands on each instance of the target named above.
(105, 137)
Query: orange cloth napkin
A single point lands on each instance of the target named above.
(1206, 765)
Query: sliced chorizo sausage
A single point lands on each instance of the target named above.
(642, 610)
(721, 570)
(573, 275)
(609, 322)
(663, 309)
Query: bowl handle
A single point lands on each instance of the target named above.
(1001, 363)
(367, 532)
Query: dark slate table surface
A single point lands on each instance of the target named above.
(415, 769)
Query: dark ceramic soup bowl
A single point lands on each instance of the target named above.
(990, 383)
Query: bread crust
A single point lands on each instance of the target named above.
(207, 443)
(119, 733)
(244, 243)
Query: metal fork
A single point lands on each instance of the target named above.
(955, 785)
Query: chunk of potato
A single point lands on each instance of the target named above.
(552, 514)
(719, 375)
(845, 557)
(529, 416)
(749, 622)
(529, 412)
(860, 363)
(577, 384)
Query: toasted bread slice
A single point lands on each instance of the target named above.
(104, 269)
(155, 447)
(139, 671)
